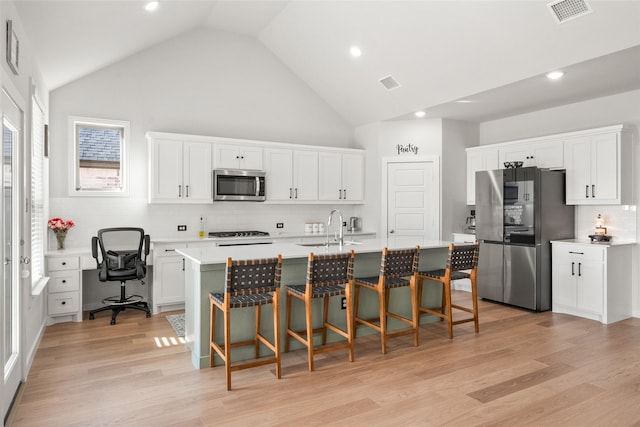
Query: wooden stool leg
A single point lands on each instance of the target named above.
(474, 296)
(276, 330)
(287, 337)
(447, 293)
(350, 325)
(356, 300)
(414, 309)
(309, 317)
(212, 333)
(227, 347)
(258, 317)
(382, 301)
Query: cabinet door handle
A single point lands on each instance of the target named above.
(586, 191)
(593, 191)
(345, 194)
(63, 302)
(572, 265)
(579, 269)
(179, 190)
(64, 263)
(187, 188)
(296, 193)
(169, 250)
(290, 193)
(182, 264)
(577, 253)
(64, 281)
(340, 194)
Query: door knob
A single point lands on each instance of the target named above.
(392, 231)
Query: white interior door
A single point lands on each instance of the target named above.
(413, 199)
(10, 346)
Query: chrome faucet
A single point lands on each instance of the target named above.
(341, 235)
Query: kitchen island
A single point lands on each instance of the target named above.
(205, 273)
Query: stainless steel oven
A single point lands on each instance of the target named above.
(238, 185)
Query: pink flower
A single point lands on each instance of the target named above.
(60, 225)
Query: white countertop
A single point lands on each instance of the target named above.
(219, 255)
(272, 236)
(587, 242)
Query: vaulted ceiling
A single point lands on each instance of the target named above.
(492, 53)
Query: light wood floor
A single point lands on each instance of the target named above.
(522, 369)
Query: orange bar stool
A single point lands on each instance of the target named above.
(462, 263)
(327, 276)
(249, 283)
(398, 269)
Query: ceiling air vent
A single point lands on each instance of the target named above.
(389, 82)
(566, 10)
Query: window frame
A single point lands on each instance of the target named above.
(74, 159)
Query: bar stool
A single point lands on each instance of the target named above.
(249, 283)
(327, 276)
(462, 257)
(396, 265)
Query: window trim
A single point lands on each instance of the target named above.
(74, 161)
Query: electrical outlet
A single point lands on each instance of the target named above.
(279, 224)
(344, 303)
(182, 228)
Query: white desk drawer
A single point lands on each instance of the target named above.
(63, 303)
(64, 281)
(63, 263)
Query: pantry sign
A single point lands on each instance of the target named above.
(408, 148)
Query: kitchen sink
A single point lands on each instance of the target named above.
(320, 245)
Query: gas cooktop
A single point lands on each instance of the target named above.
(252, 233)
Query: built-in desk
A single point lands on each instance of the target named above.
(205, 273)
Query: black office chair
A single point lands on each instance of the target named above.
(118, 264)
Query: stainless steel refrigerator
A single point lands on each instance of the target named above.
(518, 212)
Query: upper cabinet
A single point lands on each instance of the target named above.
(340, 176)
(179, 169)
(479, 159)
(232, 156)
(599, 167)
(598, 163)
(292, 175)
(548, 154)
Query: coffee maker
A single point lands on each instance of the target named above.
(471, 223)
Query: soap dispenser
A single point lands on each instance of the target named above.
(201, 234)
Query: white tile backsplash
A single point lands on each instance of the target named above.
(161, 221)
(620, 221)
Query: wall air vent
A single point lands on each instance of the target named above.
(566, 10)
(389, 82)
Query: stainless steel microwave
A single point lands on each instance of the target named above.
(238, 185)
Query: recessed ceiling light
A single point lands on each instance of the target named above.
(151, 6)
(463, 101)
(420, 114)
(555, 75)
(355, 51)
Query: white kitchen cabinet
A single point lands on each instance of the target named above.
(599, 167)
(340, 176)
(292, 175)
(549, 154)
(179, 170)
(168, 277)
(64, 290)
(479, 159)
(232, 156)
(592, 280)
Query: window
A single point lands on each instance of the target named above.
(99, 156)
(38, 222)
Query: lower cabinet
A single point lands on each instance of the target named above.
(64, 291)
(592, 280)
(168, 277)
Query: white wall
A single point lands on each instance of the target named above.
(29, 80)
(445, 139)
(616, 109)
(203, 82)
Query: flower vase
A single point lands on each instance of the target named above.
(60, 238)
